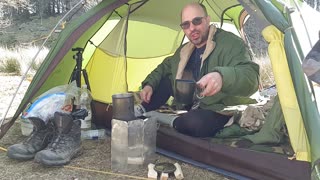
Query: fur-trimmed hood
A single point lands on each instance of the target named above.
(187, 50)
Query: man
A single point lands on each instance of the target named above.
(220, 64)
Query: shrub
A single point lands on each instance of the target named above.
(10, 65)
(24, 56)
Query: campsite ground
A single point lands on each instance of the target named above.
(94, 162)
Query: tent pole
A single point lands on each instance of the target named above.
(34, 58)
(303, 21)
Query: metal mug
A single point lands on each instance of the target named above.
(184, 91)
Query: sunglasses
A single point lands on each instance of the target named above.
(195, 21)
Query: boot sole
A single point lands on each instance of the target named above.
(20, 157)
(60, 162)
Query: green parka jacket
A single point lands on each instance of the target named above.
(225, 53)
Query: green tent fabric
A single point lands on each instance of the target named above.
(54, 71)
(48, 75)
(271, 130)
(270, 133)
(119, 40)
(308, 107)
(233, 131)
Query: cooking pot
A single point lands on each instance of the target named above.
(123, 106)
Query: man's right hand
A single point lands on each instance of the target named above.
(146, 93)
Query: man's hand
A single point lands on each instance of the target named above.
(210, 83)
(146, 93)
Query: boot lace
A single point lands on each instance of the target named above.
(39, 135)
(59, 142)
(36, 136)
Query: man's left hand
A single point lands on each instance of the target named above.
(211, 84)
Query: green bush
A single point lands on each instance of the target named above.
(10, 65)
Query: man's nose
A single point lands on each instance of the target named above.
(192, 27)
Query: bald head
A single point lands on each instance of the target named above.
(195, 23)
(195, 6)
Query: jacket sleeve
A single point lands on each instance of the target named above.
(162, 70)
(240, 75)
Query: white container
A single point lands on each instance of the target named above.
(26, 127)
(85, 124)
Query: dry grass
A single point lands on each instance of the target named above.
(18, 60)
(266, 73)
(10, 65)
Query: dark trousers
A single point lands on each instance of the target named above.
(196, 122)
(160, 96)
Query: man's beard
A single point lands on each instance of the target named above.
(203, 38)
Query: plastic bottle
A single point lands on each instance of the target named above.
(85, 100)
(26, 127)
(93, 134)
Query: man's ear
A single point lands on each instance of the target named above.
(208, 19)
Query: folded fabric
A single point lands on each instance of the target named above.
(233, 131)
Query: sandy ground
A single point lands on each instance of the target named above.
(93, 163)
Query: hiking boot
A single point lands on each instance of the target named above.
(38, 140)
(66, 143)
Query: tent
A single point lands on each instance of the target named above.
(124, 40)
